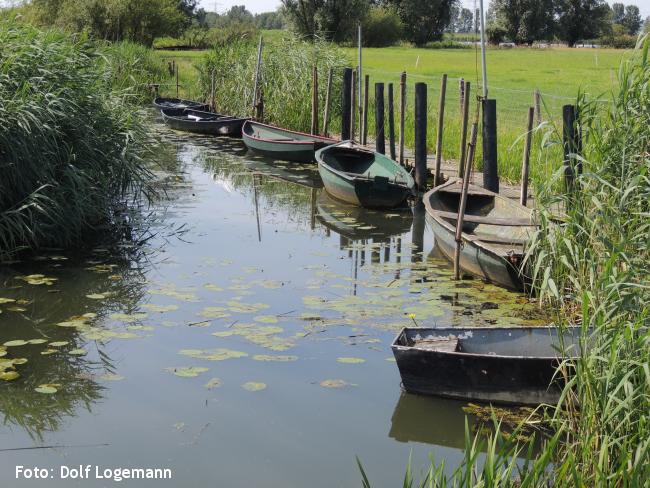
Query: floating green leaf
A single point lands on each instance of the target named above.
(160, 308)
(253, 386)
(78, 352)
(187, 371)
(334, 383)
(351, 360)
(15, 343)
(219, 354)
(58, 343)
(213, 383)
(277, 357)
(37, 341)
(111, 377)
(266, 319)
(47, 388)
(9, 375)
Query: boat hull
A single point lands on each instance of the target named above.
(476, 260)
(178, 103)
(303, 153)
(223, 126)
(489, 378)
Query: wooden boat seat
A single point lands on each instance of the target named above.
(443, 344)
(478, 219)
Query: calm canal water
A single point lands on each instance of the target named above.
(244, 341)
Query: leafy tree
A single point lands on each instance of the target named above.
(646, 26)
(632, 19)
(524, 21)
(333, 19)
(269, 20)
(381, 27)
(424, 21)
(618, 12)
(581, 19)
(465, 20)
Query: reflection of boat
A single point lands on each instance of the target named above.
(200, 122)
(412, 421)
(304, 175)
(283, 144)
(514, 365)
(178, 103)
(495, 230)
(356, 222)
(361, 177)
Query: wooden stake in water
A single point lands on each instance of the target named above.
(258, 69)
(463, 129)
(314, 101)
(402, 115)
(177, 84)
(353, 103)
(441, 120)
(421, 136)
(328, 94)
(364, 122)
(391, 122)
(359, 78)
(346, 105)
(526, 161)
(463, 200)
(380, 139)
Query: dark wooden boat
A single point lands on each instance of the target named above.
(361, 177)
(178, 103)
(509, 365)
(283, 144)
(356, 223)
(201, 122)
(495, 231)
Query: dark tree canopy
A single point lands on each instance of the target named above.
(632, 19)
(524, 21)
(581, 19)
(424, 21)
(332, 19)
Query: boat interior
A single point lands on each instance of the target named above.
(498, 341)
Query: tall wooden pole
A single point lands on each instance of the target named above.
(364, 137)
(177, 84)
(463, 129)
(258, 68)
(391, 122)
(328, 94)
(421, 136)
(402, 115)
(359, 78)
(314, 101)
(353, 103)
(213, 102)
(523, 197)
(441, 121)
(490, 160)
(463, 200)
(380, 139)
(345, 104)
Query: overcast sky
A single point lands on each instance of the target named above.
(257, 6)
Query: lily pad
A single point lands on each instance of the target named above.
(254, 386)
(128, 318)
(111, 377)
(187, 371)
(97, 296)
(350, 360)
(17, 342)
(78, 352)
(214, 313)
(213, 383)
(277, 357)
(58, 343)
(334, 384)
(219, 354)
(160, 308)
(47, 389)
(9, 375)
(6, 300)
(37, 341)
(266, 319)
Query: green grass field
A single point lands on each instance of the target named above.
(513, 76)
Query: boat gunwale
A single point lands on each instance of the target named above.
(250, 123)
(458, 354)
(218, 119)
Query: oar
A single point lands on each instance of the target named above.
(463, 199)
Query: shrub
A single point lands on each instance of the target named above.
(495, 34)
(382, 27)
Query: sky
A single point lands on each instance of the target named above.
(257, 6)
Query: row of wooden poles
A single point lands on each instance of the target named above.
(486, 107)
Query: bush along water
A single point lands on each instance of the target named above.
(286, 80)
(594, 267)
(69, 141)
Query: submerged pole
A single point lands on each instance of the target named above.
(463, 200)
(345, 104)
(380, 140)
(421, 136)
(441, 120)
(391, 122)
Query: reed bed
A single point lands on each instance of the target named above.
(594, 268)
(286, 80)
(70, 142)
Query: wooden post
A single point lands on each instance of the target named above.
(213, 102)
(328, 94)
(359, 78)
(364, 137)
(463, 200)
(538, 105)
(177, 84)
(441, 120)
(402, 115)
(463, 130)
(391, 122)
(571, 144)
(345, 104)
(523, 198)
(258, 68)
(421, 136)
(461, 98)
(314, 101)
(353, 103)
(490, 162)
(380, 139)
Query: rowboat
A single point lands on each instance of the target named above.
(495, 231)
(356, 223)
(201, 122)
(283, 144)
(509, 365)
(361, 177)
(178, 103)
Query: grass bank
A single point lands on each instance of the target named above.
(70, 138)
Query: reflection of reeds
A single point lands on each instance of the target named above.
(70, 141)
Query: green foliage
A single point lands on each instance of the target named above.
(334, 20)
(619, 38)
(424, 21)
(495, 34)
(524, 21)
(381, 27)
(632, 19)
(69, 142)
(285, 81)
(581, 19)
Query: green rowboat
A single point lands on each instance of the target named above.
(361, 177)
(282, 144)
